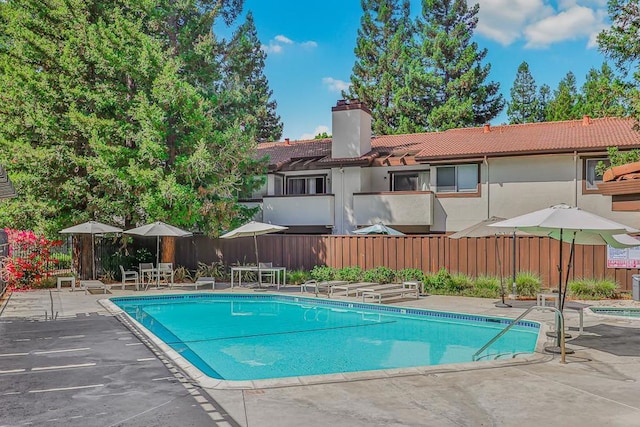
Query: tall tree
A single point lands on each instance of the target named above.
(544, 97)
(603, 94)
(378, 73)
(621, 43)
(524, 105)
(565, 103)
(452, 65)
(245, 76)
(114, 113)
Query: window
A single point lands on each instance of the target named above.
(306, 185)
(410, 181)
(457, 179)
(593, 178)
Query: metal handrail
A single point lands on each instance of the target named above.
(560, 328)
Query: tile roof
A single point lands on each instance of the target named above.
(547, 137)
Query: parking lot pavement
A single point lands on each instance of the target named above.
(92, 371)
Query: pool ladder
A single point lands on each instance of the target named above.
(560, 329)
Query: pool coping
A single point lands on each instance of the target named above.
(206, 381)
(613, 316)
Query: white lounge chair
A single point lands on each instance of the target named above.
(130, 276)
(389, 293)
(200, 281)
(347, 288)
(93, 284)
(377, 287)
(321, 286)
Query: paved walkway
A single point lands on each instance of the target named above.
(600, 384)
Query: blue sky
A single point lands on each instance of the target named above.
(310, 47)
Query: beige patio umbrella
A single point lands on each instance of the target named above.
(573, 225)
(486, 228)
(253, 229)
(93, 228)
(158, 229)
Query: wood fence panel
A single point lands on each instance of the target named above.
(429, 253)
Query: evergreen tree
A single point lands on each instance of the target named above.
(377, 75)
(452, 65)
(245, 76)
(621, 43)
(544, 97)
(604, 95)
(524, 105)
(564, 105)
(114, 113)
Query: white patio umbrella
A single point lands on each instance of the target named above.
(158, 229)
(253, 228)
(486, 229)
(378, 228)
(93, 228)
(573, 225)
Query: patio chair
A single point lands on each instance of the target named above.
(271, 275)
(130, 276)
(147, 273)
(165, 270)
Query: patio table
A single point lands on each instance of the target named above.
(253, 269)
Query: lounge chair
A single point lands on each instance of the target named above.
(377, 287)
(389, 293)
(321, 286)
(130, 276)
(347, 288)
(200, 281)
(93, 284)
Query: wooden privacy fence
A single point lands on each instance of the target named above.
(429, 253)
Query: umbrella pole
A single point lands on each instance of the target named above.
(513, 279)
(93, 257)
(569, 265)
(157, 262)
(255, 243)
(501, 304)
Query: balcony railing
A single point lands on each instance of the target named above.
(394, 208)
(299, 210)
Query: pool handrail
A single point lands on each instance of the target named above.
(561, 338)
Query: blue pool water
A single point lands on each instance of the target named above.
(247, 337)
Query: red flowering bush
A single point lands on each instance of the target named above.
(29, 258)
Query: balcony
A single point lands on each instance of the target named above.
(299, 210)
(394, 208)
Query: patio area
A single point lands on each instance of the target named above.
(598, 386)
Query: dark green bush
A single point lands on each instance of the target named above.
(485, 287)
(322, 273)
(297, 277)
(438, 283)
(379, 275)
(349, 274)
(410, 275)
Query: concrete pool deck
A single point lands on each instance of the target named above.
(600, 384)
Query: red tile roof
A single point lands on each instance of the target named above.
(547, 137)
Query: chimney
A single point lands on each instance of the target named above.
(286, 141)
(350, 128)
(487, 128)
(586, 120)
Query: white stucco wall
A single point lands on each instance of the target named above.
(346, 181)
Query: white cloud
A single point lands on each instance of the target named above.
(335, 85)
(271, 48)
(282, 39)
(571, 24)
(319, 129)
(276, 45)
(539, 23)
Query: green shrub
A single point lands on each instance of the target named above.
(410, 275)
(182, 274)
(349, 274)
(63, 261)
(593, 288)
(528, 284)
(379, 275)
(438, 283)
(459, 284)
(215, 269)
(297, 277)
(485, 287)
(322, 273)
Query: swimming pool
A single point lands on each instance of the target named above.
(248, 337)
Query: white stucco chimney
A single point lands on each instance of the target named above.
(351, 129)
